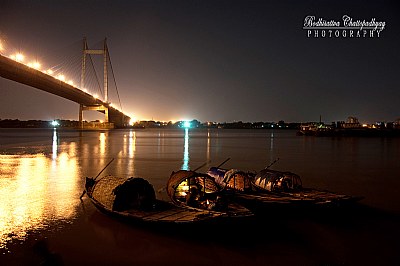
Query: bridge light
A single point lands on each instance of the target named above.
(61, 77)
(49, 71)
(95, 96)
(70, 82)
(19, 57)
(84, 90)
(35, 65)
(1, 47)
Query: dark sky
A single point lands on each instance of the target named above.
(212, 60)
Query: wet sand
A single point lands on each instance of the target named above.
(358, 235)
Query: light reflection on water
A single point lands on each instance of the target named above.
(41, 189)
(36, 190)
(208, 145)
(55, 144)
(42, 171)
(131, 144)
(185, 164)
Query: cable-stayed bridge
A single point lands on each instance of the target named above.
(13, 68)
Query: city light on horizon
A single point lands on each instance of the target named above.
(187, 124)
(55, 123)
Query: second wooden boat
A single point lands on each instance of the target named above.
(200, 191)
(271, 186)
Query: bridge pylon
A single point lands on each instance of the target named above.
(100, 107)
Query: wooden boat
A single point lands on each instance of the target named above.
(239, 184)
(268, 186)
(200, 191)
(290, 184)
(134, 199)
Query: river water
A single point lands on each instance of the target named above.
(42, 176)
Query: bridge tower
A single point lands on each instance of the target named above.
(100, 108)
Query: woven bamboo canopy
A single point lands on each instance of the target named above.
(272, 180)
(179, 184)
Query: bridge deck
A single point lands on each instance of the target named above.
(12, 70)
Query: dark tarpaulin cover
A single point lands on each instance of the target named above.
(117, 193)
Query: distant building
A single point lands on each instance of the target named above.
(351, 122)
(396, 124)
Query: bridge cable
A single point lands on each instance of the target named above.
(65, 63)
(95, 74)
(115, 82)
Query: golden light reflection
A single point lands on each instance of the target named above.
(130, 150)
(102, 145)
(55, 144)
(132, 144)
(185, 165)
(65, 186)
(208, 144)
(22, 203)
(36, 190)
(72, 148)
(159, 144)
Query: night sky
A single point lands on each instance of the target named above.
(212, 60)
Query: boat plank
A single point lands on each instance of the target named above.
(162, 215)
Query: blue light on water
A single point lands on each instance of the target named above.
(185, 164)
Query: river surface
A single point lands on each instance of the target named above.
(42, 170)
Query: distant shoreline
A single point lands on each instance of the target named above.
(315, 129)
(16, 123)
